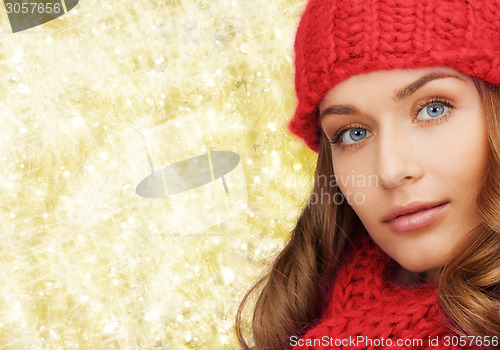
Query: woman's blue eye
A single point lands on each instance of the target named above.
(434, 110)
(355, 135)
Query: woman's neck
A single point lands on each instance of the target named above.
(404, 277)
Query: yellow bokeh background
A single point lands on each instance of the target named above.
(85, 262)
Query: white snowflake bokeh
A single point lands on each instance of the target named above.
(85, 262)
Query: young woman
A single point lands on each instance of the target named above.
(401, 100)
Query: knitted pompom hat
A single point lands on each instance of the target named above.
(337, 39)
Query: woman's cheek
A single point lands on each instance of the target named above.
(359, 191)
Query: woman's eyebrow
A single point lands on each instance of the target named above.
(413, 87)
(400, 94)
(339, 110)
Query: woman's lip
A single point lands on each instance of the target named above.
(418, 220)
(410, 208)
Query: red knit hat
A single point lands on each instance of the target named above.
(337, 39)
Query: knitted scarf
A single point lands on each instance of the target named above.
(368, 311)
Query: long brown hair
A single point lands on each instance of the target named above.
(469, 286)
(294, 292)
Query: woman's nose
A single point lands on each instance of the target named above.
(397, 158)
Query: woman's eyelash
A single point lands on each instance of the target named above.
(343, 129)
(419, 107)
(435, 100)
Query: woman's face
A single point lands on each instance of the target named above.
(408, 141)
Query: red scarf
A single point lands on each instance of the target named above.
(368, 311)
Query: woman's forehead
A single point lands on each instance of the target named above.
(390, 79)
